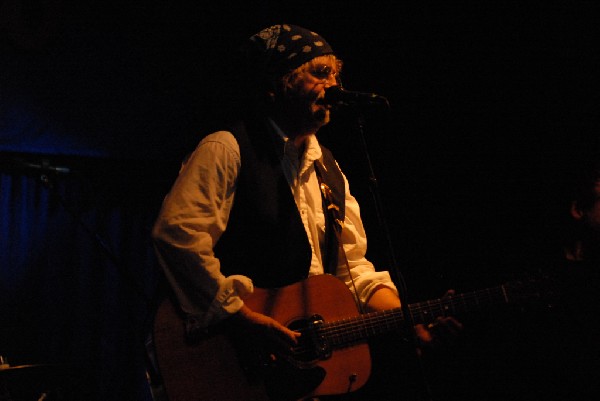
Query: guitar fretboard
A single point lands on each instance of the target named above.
(427, 311)
(355, 329)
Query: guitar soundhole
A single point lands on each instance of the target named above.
(312, 344)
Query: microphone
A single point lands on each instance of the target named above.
(336, 95)
(44, 166)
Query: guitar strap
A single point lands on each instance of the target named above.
(335, 222)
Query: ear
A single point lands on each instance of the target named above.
(576, 211)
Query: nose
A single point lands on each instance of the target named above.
(331, 80)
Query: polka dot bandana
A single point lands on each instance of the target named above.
(279, 49)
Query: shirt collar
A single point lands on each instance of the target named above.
(311, 153)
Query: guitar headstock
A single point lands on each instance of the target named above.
(539, 290)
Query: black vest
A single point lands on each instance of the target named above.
(265, 238)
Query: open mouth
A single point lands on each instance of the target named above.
(321, 102)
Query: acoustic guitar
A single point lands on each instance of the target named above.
(332, 356)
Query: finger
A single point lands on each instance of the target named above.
(290, 336)
(423, 334)
(450, 323)
(445, 327)
(449, 293)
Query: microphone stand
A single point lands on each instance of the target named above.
(47, 174)
(397, 276)
(47, 177)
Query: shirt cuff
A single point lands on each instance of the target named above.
(229, 297)
(227, 301)
(378, 278)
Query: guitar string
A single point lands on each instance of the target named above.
(355, 328)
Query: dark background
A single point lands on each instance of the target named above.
(493, 107)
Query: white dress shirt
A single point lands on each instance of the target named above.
(194, 215)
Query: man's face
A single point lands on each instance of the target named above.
(303, 94)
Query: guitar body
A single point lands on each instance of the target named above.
(332, 355)
(348, 368)
(212, 368)
(207, 369)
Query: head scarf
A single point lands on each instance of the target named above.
(279, 49)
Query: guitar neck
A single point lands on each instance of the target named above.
(427, 311)
(355, 329)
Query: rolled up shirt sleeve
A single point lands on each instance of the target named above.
(193, 217)
(354, 241)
